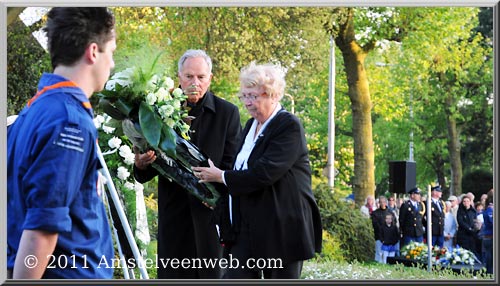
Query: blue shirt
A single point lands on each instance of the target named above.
(488, 221)
(52, 182)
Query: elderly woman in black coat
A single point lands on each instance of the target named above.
(466, 234)
(273, 207)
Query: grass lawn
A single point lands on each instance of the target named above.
(314, 270)
(376, 271)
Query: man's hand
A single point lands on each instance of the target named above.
(142, 161)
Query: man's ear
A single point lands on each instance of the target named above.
(91, 52)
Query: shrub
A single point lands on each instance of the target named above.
(26, 61)
(345, 224)
(332, 249)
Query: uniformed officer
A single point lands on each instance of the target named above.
(438, 212)
(410, 218)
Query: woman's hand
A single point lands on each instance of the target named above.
(208, 174)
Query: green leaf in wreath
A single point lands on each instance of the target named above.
(168, 141)
(111, 110)
(151, 124)
(123, 107)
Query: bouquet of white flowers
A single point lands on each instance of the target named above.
(153, 118)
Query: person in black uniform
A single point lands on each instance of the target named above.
(186, 227)
(437, 216)
(410, 218)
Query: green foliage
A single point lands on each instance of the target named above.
(478, 182)
(26, 61)
(343, 221)
(332, 250)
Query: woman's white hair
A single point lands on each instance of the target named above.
(269, 76)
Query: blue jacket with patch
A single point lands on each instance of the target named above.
(52, 181)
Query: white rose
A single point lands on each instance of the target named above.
(169, 83)
(166, 110)
(177, 92)
(129, 159)
(123, 173)
(176, 104)
(114, 142)
(151, 98)
(107, 129)
(98, 120)
(110, 84)
(125, 151)
(127, 73)
(129, 186)
(152, 82)
(162, 95)
(122, 78)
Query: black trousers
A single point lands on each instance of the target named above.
(186, 230)
(249, 265)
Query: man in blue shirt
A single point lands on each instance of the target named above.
(57, 224)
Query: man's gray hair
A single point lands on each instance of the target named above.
(195, 54)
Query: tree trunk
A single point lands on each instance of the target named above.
(361, 106)
(13, 13)
(454, 148)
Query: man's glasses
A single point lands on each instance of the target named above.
(391, 199)
(248, 97)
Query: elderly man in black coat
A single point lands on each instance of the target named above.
(186, 227)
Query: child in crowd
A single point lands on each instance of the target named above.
(390, 237)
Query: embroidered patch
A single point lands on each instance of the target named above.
(70, 138)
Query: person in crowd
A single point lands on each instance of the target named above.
(410, 218)
(466, 234)
(392, 206)
(450, 227)
(472, 197)
(487, 232)
(454, 207)
(478, 224)
(186, 227)
(273, 207)
(389, 235)
(369, 206)
(378, 221)
(438, 209)
(460, 197)
(483, 200)
(479, 211)
(54, 210)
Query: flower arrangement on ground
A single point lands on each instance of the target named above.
(415, 251)
(439, 256)
(152, 116)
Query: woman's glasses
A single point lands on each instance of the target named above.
(248, 97)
